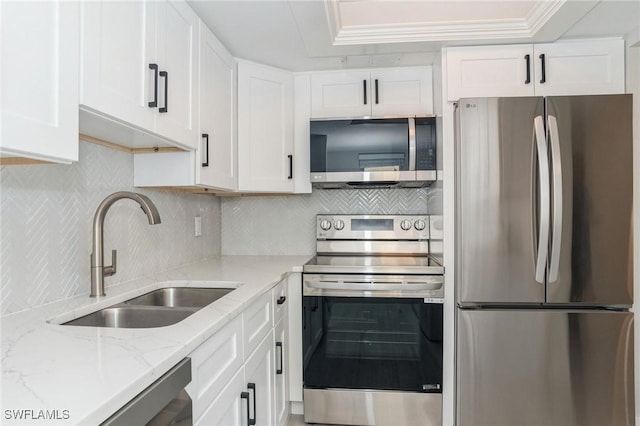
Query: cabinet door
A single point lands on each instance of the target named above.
(490, 71)
(265, 128)
(259, 377)
(214, 363)
(118, 46)
(229, 408)
(40, 80)
(216, 154)
(579, 68)
(401, 91)
(177, 47)
(341, 94)
(281, 406)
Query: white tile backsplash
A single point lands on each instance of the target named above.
(285, 225)
(46, 214)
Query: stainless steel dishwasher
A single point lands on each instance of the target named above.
(164, 403)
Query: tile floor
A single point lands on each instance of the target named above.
(298, 420)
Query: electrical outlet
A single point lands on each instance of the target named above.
(198, 226)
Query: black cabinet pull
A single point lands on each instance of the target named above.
(154, 103)
(527, 58)
(245, 395)
(205, 136)
(165, 108)
(252, 386)
(364, 91)
(544, 72)
(316, 304)
(377, 100)
(290, 166)
(279, 346)
(281, 300)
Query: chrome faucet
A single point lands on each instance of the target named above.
(98, 270)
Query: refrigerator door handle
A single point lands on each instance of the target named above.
(556, 165)
(543, 171)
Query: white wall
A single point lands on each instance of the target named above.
(46, 213)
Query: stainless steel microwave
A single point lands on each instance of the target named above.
(373, 152)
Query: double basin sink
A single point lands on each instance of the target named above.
(159, 308)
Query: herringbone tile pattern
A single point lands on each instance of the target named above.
(46, 213)
(285, 225)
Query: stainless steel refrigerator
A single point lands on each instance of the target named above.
(544, 268)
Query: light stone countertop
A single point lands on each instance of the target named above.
(82, 375)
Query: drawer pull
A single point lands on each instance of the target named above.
(281, 300)
(279, 346)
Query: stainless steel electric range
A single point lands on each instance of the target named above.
(372, 322)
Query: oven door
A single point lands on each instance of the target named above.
(368, 352)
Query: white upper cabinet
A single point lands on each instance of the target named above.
(376, 93)
(118, 48)
(177, 55)
(139, 69)
(265, 129)
(39, 57)
(216, 162)
(579, 68)
(568, 68)
(341, 94)
(213, 163)
(490, 71)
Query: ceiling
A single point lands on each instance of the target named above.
(304, 35)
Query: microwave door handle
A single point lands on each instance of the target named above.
(412, 144)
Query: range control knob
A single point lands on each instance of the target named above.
(420, 225)
(405, 225)
(339, 225)
(325, 225)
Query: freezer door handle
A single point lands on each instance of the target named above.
(556, 165)
(544, 187)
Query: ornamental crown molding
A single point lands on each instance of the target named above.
(420, 29)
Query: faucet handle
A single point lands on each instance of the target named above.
(111, 270)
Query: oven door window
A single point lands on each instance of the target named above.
(372, 343)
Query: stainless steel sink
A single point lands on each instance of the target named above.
(159, 308)
(180, 297)
(133, 317)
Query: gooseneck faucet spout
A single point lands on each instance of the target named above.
(98, 269)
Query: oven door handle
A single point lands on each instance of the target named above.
(434, 284)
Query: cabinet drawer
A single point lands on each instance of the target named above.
(257, 321)
(280, 300)
(214, 363)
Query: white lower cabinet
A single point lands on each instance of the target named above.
(214, 363)
(240, 373)
(259, 376)
(281, 391)
(229, 409)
